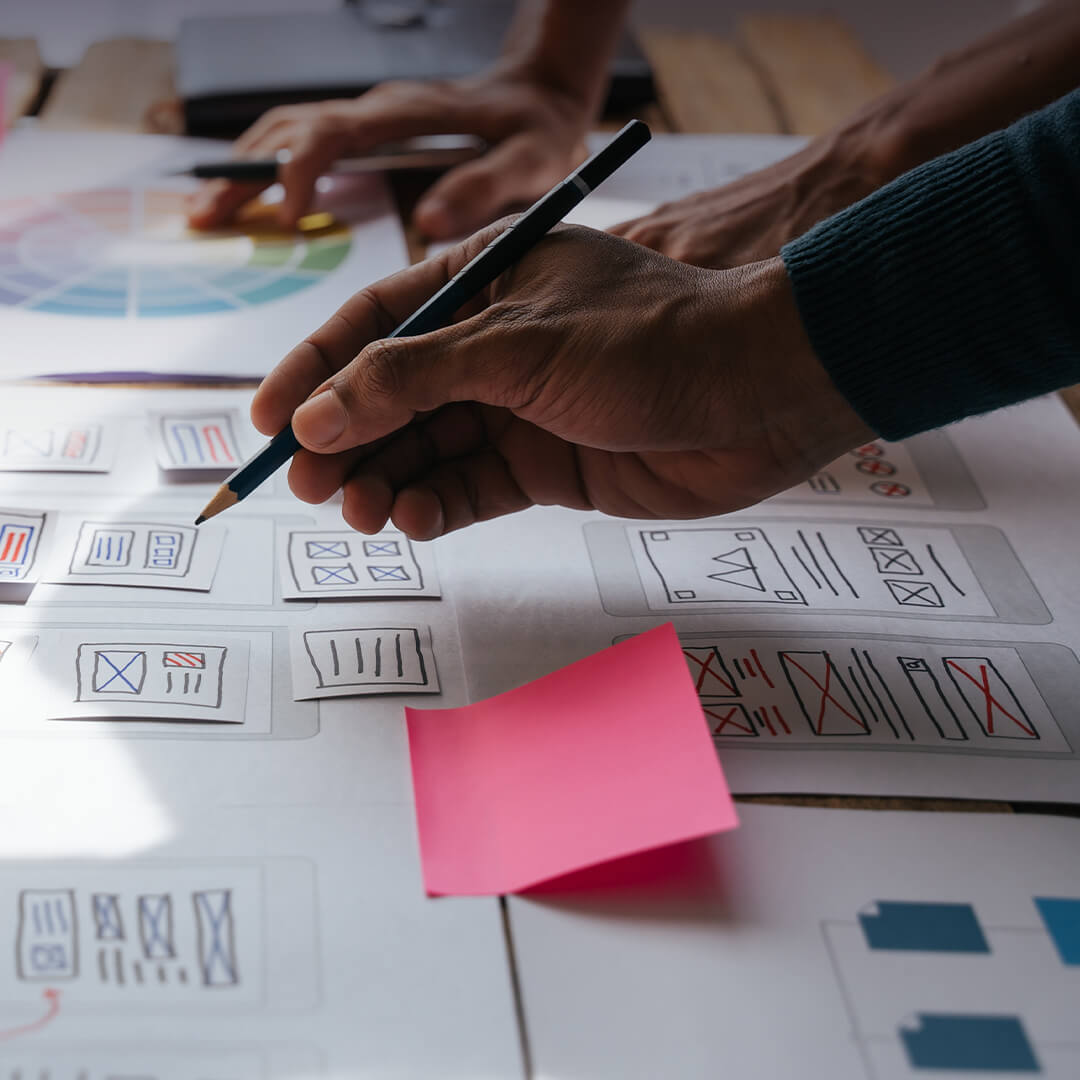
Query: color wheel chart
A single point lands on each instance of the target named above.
(127, 253)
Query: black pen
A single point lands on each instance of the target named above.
(421, 152)
(510, 245)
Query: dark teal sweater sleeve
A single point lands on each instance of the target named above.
(955, 289)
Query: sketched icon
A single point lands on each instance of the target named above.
(376, 549)
(915, 594)
(328, 549)
(388, 573)
(324, 574)
(893, 560)
(737, 567)
(117, 672)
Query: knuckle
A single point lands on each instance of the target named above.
(378, 375)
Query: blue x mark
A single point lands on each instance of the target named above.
(326, 575)
(118, 673)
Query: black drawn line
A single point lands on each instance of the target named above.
(359, 657)
(168, 682)
(738, 669)
(865, 700)
(825, 548)
(870, 686)
(802, 562)
(397, 653)
(181, 974)
(137, 968)
(944, 573)
(103, 970)
(161, 976)
(118, 961)
(334, 657)
(888, 693)
(378, 657)
(198, 682)
(813, 559)
(910, 665)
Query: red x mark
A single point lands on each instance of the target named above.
(983, 683)
(731, 717)
(707, 669)
(826, 696)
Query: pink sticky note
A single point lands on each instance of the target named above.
(606, 758)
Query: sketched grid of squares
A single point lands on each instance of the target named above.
(327, 562)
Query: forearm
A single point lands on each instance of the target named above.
(565, 45)
(955, 289)
(1018, 68)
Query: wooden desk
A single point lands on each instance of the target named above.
(779, 74)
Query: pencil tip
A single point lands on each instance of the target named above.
(200, 519)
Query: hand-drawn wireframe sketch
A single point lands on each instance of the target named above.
(923, 471)
(20, 539)
(123, 551)
(914, 571)
(197, 442)
(873, 692)
(363, 660)
(41, 446)
(319, 562)
(40, 685)
(922, 950)
(142, 933)
(139, 678)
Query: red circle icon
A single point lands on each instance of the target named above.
(869, 450)
(890, 489)
(876, 466)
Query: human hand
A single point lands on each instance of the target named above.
(535, 134)
(594, 374)
(753, 217)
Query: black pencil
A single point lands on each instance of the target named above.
(509, 246)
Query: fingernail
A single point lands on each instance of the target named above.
(321, 420)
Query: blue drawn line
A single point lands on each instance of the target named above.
(119, 673)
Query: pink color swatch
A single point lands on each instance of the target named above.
(606, 758)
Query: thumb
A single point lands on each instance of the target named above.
(394, 379)
(477, 192)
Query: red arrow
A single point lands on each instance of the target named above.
(53, 999)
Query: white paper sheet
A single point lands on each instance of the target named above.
(98, 271)
(203, 441)
(817, 943)
(953, 672)
(120, 550)
(362, 659)
(21, 533)
(316, 563)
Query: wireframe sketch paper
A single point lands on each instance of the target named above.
(99, 272)
(144, 674)
(888, 956)
(953, 672)
(343, 563)
(29, 444)
(161, 554)
(20, 538)
(362, 660)
(208, 441)
(600, 760)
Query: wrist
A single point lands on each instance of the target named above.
(791, 399)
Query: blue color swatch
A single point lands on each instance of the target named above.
(1062, 919)
(977, 1043)
(922, 927)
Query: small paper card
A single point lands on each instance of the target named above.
(197, 442)
(362, 660)
(128, 551)
(326, 563)
(20, 541)
(606, 758)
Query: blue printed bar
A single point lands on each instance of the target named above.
(1062, 919)
(923, 927)
(975, 1043)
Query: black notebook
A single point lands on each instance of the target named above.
(230, 69)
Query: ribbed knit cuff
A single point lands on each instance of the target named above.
(955, 289)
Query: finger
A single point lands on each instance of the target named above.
(400, 110)
(311, 154)
(471, 195)
(372, 313)
(216, 202)
(457, 493)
